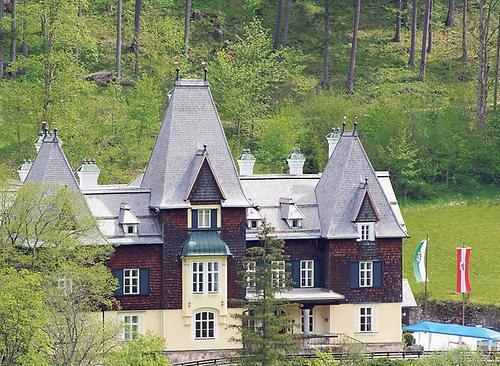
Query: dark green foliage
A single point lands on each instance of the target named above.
(266, 337)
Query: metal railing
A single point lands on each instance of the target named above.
(489, 357)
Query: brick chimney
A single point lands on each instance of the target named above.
(246, 161)
(333, 138)
(88, 174)
(296, 162)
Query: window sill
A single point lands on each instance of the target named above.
(367, 333)
(205, 339)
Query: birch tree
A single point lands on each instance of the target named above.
(354, 43)
(325, 80)
(187, 17)
(425, 34)
(413, 46)
(277, 25)
(451, 13)
(118, 51)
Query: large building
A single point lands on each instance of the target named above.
(181, 229)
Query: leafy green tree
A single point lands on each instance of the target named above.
(23, 314)
(404, 159)
(48, 230)
(265, 327)
(145, 350)
(249, 76)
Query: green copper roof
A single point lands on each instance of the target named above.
(205, 242)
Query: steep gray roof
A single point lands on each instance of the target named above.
(191, 121)
(51, 165)
(338, 193)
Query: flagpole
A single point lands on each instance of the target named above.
(463, 299)
(426, 274)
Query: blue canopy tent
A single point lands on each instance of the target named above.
(481, 333)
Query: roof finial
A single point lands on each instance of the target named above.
(205, 70)
(355, 125)
(366, 182)
(177, 70)
(343, 124)
(55, 139)
(204, 149)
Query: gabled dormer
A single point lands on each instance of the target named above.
(205, 186)
(127, 220)
(366, 214)
(290, 213)
(254, 218)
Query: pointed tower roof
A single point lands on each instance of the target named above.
(191, 121)
(51, 165)
(339, 195)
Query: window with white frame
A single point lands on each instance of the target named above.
(366, 319)
(278, 273)
(204, 218)
(366, 231)
(131, 281)
(250, 272)
(366, 274)
(197, 274)
(213, 277)
(206, 277)
(253, 224)
(204, 325)
(130, 326)
(130, 229)
(311, 320)
(307, 273)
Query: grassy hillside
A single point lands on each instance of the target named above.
(473, 221)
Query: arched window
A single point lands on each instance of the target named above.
(204, 325)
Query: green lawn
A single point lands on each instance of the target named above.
(477, 223)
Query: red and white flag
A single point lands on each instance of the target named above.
(463, 256)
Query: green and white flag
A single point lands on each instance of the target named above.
(419, 262)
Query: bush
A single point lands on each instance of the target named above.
(408, 339)
(146, 350)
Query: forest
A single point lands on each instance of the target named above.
(420, 77)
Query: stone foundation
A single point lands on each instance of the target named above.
(186, 356)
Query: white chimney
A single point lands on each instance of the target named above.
(296, 162)
(246, 161)
(88, 173)
(24, 169)
(333, 138)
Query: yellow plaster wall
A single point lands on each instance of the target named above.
(179, 334)
(387, 319)
(321, 315)
(192, 302)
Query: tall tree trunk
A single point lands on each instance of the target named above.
(24, 44)
(1, 34)
(425, 34)
(187, 17)
(277, 25)
(413, 46)
(325, 81)
(429, 40)
(464, 32)
(49, 67)
(404, 16)
(397, 35)
(137, 34)
(451, 13)
(13, 34)
(497, 64)
(354, 44)
(119, 11)
(287, 22)
(482, 74)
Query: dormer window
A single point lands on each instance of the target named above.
(254, 218)
(291, 213)
(128, 221)
(366, 231)
(130, 229)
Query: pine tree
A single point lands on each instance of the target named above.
(265, 327)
